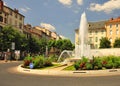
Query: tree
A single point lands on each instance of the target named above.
(58, 44)
(34, 45)
(64, 44)
(105, 43)
(51, 44)
(43, 44)
(67, 45)
(8, 35)
(117, 43)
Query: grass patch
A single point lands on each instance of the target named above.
(70, 68)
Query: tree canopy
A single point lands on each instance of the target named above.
(105, 43)
(117, 43)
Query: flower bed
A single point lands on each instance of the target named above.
(36, 62)
(107, 62)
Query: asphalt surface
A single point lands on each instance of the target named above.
(10, 77)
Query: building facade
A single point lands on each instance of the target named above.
(40, 32)
(96, 30)
(11, 17)
(113, 29)
(109, 29)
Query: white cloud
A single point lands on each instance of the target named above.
(63, 37)
(5, 3)
(25, 10)
(69, 3)
(80, 2)
(107, 7)
(66, 2)
(48, 26)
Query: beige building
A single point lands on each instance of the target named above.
(96, 30)
(113, 29)
(40, 32)
(11, 17)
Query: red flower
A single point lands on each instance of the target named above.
(82, 65)
(104, 62)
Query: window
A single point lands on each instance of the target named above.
(20, 17)
(96, 32)
(96, 39)
(5, 20)
(1, 19)
(116, 25)
(102, 31)
(10, 12)
(110, 32)
(5, 14)
(89, 25)
(117, 32)
(90, 39)
(110, 25)
(96, 46)
(16, 15)
(90, 32)
(20, 25)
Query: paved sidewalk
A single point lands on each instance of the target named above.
(3, 61)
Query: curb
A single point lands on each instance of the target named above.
(83, 73)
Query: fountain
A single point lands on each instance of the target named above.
(65, 54)
(82, 48)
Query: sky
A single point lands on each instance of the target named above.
(63, 16)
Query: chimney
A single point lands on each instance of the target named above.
(111, 19)
(16, 10)
(1, 5)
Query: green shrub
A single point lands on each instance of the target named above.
(97, 63)
(48, 62)
(54, 58)
(106, 62)
(38, 61)
(109, 64)
(116, 62)
(77, 65)
(27, 61)
(89, 66)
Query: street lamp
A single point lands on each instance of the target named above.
(46, 51)
(12, 50)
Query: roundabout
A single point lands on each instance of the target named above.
(10, 76)
(60, 72)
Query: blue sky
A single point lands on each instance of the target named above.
(63, 16)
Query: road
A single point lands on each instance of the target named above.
(10, 77)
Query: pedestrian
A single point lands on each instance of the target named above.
(5, 56)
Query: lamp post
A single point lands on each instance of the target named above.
(12, 50)
(46, 51)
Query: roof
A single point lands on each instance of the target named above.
(13, 10)
(114, 20)
(96, 25)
